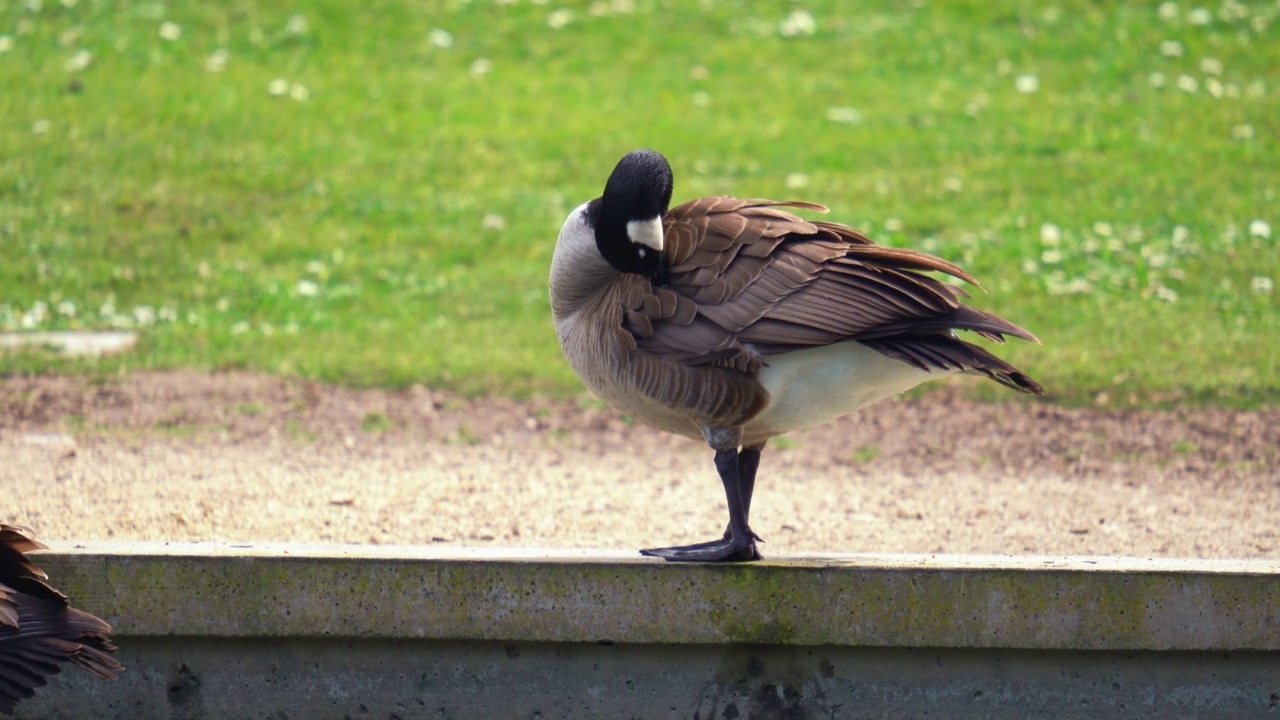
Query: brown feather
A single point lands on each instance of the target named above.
(39, 631)
(750, 279)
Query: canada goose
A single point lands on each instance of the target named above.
(733, 321)
(39, 630)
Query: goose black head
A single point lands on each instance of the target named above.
(628, 217)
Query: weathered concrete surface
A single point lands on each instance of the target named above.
(586, 596)
(72, 342)
(357, 631)
(281, 679)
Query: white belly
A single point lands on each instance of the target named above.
(811, 387)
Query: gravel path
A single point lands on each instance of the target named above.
(243, 458)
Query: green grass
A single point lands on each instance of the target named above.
(389, 218)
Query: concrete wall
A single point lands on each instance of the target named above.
(290, 632)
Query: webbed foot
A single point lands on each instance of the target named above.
(726, 549)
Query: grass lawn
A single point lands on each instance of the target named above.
(369, 193)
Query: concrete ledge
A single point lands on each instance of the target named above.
(222, 631)
(589, 596)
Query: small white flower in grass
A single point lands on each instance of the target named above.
(701, 99)
(1154, 258)
(79, 61)
(1077, 286)
(1242, 132)
(893, 225)
(1200, 17)
(267, 330)
(222, 305)
(1211, 66)
(1166, 294)
(1030, 267)
(240, 328)
(315, 267)
(170, 31)
(1103, 228)
(291, 328)
(70, 38)
(1026, 84)
(1051, 257)
(1180, 235)
(1168, 11)
(623, 7)
(795, 181)
(493, 221)
(1186, 83)
(558, 19)
(1259, 229)
(480, 67)
(299, 92)
(306, 288)
(844, 115)
(193, 318)
(66, 308)
(167, 314)
(1214, 87)
(1156, 79)
(1262, 285)
(6, 43)
(217, 60)
(107, 309)
(34, 317)
(278, 87)
(699, 72)
(952, 184)
(144, 315)
(1171, 48)
(297, 25)
(799, 23)
(1004, 66)
(442, 39)
(40, 127)
(1050, 234)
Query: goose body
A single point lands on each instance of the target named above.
(734, 321)
(39, 630)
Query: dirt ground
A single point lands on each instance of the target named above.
(242, 458)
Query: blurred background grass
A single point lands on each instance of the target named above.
(369, 193)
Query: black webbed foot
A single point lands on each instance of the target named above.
(738, 544)
(725, 549)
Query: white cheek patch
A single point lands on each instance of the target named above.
(646, 232)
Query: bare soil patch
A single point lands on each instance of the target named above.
(250, 458)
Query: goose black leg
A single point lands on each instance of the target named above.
(738, 474)
(748, 463)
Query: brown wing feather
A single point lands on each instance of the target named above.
(748, 279)
(39, 631)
